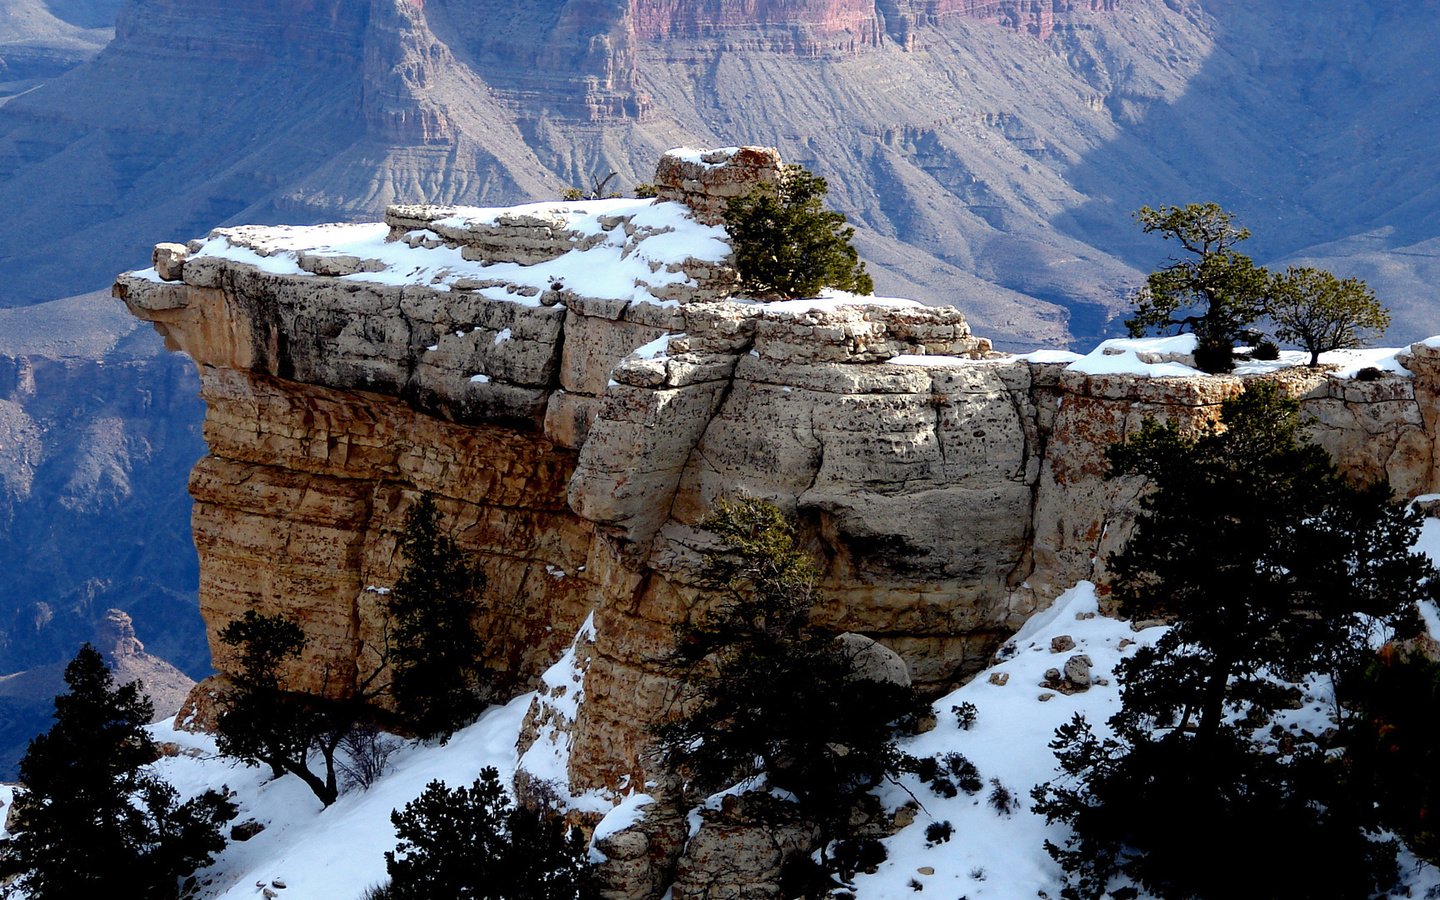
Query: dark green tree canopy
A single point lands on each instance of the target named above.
(787, 245)
(473, 844)
(262, 723)
(1211, 290)
(1320, 312)
(767, 690)
(95, 820)
(439, 679)
(1271, 569)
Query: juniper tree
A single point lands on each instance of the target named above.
(261, 722)
(1212, 290)
(764, 689)
(439, 678)
(1313, 308)
(1271, 569)
(788, 245)
(94, 819)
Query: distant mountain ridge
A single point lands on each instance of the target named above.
(991, 152)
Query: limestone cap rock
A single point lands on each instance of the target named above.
(706, 180)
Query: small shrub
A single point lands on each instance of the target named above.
(943, 786)
(1369, 373)
(967, 777)
(1001, 799)
(916, 886)
(926, 768)
(645, 190)
(787, 245)
(965, 715)
(1265, 350)
(472, 842)
(977, 873)
(801, 875)
(938, 832)
(572, 194)
(367, 752)
(861, 854)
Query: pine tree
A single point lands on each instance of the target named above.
(1213, 291)
(1271, 570)
(787, 245)
(95, 820)
(473, 844)
(439, 679)
(766, 690)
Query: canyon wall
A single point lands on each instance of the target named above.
(577, 384)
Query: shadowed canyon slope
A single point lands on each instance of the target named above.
(40, 39)
(992, 152)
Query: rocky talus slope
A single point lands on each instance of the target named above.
(577, 385)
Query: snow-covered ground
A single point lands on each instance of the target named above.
(1165, 357)
(619, 266)
(337, 853)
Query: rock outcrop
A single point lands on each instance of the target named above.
(577, 384)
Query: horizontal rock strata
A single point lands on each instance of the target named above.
(576, 428)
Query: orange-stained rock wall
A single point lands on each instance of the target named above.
(300, 502)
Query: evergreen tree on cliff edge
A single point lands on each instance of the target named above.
(787, 245)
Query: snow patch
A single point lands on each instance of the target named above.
(624, 815)
(1145, 357)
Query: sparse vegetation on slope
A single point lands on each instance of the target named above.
(95, 820)
(1272, 571)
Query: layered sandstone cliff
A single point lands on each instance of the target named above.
(577, 384)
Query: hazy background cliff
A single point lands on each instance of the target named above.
(991, 153)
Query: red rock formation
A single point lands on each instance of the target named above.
(810, 26)
(806, 26)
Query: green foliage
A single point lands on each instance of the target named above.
(1320, 312)
(787, 245)
(572, 194)
(1272, 569)
(645, 190)
(96, 820)
(472, 844)
(1212, 291)
(438, 679)
(260, 723)
(1392, 743)
(766, 690)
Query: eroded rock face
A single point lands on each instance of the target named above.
(576, 427)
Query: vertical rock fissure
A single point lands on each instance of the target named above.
(1025, 565)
